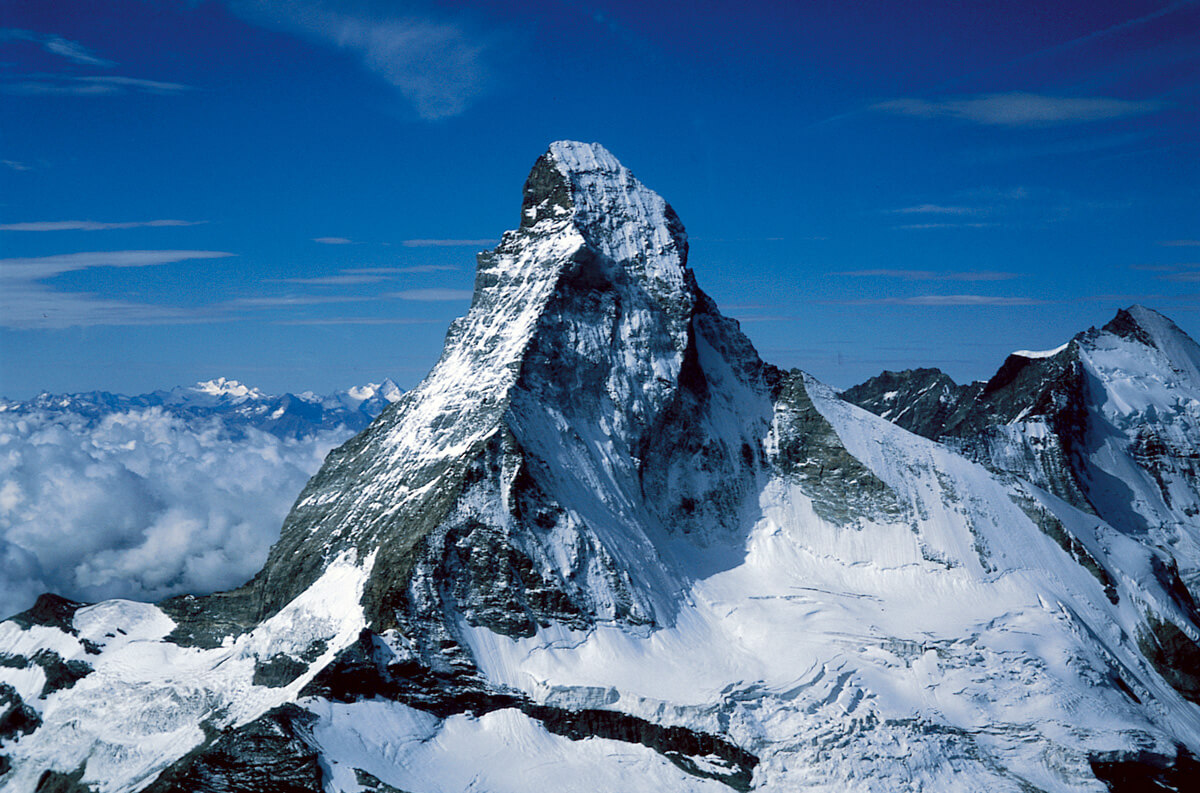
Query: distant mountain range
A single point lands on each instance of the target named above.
(235, 404)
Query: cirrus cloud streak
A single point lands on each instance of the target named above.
(1020, 109)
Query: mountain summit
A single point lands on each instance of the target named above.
(604, 546)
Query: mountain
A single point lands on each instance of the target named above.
(236, 406)
(1109, 421)
(604, 546)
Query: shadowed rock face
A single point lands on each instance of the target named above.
(924, 401)
(273, 754)
(973, 417)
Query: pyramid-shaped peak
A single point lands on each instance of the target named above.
(1144, 325)
(573, 156)
(1148, 328)
(582, 189)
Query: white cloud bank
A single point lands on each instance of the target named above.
(141, 504)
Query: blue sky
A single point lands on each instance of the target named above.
(292, 193)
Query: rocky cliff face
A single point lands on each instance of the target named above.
(603, 546)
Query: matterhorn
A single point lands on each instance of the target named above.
(603, 546)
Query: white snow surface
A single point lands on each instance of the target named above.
(1145, 404)
(143, 705)
(1042, 353)
(884, 657)
(501, 752)
(232, 389)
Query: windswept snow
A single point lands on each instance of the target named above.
(1042, 353)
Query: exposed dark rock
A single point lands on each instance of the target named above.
(272, 754)
(1125, 325)
(52, 611)
(1174, 655)
(810, 452)
(1055, 530)
(282, 669)
(1167, 573)
(58, 782)
(546, 190)
(971, 418)
(1148, 773)
(16, 718)
(924, 401)
(372, 783)
(205, 621)
(678, 744)
(60, 674)
(277, 671)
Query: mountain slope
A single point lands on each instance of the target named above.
(1110, 421)
(604, 546)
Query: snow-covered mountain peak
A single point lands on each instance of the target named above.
(1144, 327)
(221, 387)
(387, 391)
(580, 188)
(584, 317)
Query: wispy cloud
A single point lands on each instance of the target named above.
(69, 85)
(92, 225)
(449, 243)
(1180, 243)
(333, 280)
(360, 321)
(283, 301)
(42, 267)
(1020, 109)
(943, 300)
(25, 302)
(431, 295)
(418, 268)
(438, 66)
(16, 165)
(57, 45)
(932, 275)
(1179, 272)
(936, 209)
(944, 226)
(333, 240)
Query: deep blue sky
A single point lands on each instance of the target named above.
(866, 185)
